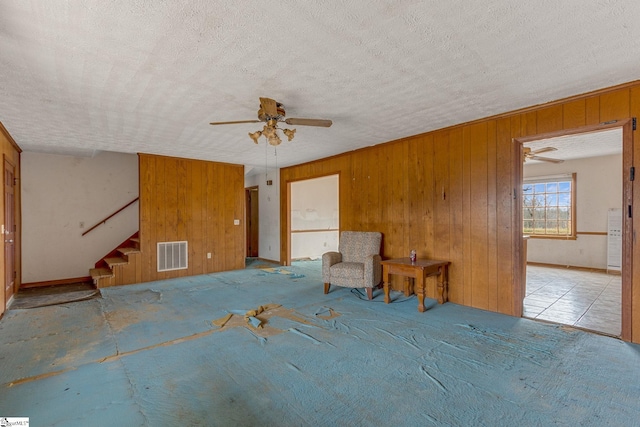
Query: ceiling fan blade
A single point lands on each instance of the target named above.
(546, 159)
(234, 123)
(309, 122)
(543, 150)
(269, 106)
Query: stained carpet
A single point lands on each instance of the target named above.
(158, 354)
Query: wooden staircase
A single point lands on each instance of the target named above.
(119, 267)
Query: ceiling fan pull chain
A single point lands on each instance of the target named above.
(266, 155)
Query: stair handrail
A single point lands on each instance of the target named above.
(111, 216)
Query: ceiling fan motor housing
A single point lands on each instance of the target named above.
(263, 116)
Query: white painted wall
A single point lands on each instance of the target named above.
(599, 187)
(269, 213)
(61, 192)
(314, 206)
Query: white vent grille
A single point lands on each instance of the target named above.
(172, 256)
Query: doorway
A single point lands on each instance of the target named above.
(314, 217)
(569, 280)
(252, 221)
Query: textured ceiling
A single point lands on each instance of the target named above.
(580, 146)
(82, 76)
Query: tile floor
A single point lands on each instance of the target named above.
(585, 299)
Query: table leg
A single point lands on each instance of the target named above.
(385, 282)
(443, 284)
(408, 286)
(419, 291)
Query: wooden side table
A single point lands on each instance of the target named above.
(419, 271)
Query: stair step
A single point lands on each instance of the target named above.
(127, 251)
(135, 241)
(111, 262)
(100, 273)
(121, 266)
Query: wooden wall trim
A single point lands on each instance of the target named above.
(7, 135)
(285, 205)
(628, 234)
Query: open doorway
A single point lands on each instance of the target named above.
(314, 217)
(252, 221)
(571, 185)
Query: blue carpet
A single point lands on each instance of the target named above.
(151, 355)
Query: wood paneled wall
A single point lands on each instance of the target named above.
(11, 151)
(449, 194)
(196, 201)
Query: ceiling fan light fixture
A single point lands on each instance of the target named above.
(270, 132)
(255, 135)
(272, 113)
(289, 132)
(274, 140)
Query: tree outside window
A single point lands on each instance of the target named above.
(549, 206)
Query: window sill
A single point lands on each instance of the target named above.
(541, 236)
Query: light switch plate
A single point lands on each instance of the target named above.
(236, 222)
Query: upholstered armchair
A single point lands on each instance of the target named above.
(356, 264)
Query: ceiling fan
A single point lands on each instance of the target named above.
(272, 113)
(533, 154)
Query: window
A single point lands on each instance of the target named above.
(548, 206)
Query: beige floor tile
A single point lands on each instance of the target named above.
(589, 300)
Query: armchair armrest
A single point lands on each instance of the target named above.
(329, 259)
(372, 271)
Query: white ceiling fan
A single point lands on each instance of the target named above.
(272, 113)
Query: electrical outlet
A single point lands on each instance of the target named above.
(236, 222)
(208, 255)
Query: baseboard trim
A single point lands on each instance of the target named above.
(85, 279)
(573, 267)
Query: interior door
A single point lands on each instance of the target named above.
(9, 229)
(252, 221)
